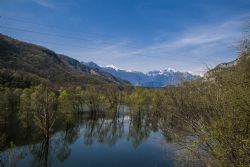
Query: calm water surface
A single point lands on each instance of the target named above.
(119, 142)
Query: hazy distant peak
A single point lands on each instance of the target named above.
(171, 70)
(156, 78)
(168, 70)
(162, 72)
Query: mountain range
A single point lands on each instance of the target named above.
(24, 64)
(157, 78)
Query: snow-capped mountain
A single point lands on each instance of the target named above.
(157, 78)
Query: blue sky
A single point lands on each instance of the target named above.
(142, 35)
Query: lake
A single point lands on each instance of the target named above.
(104, 141)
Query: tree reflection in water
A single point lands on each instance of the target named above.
(105, 129)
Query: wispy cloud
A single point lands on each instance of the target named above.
(194, 47)
(44, 3)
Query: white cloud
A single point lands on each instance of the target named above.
(44, 3)
(210, 44)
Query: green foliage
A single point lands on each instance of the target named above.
(65, 102)
(93, 99)
(215, 111)
(66, 106)
(9, 103)
(140, 99)
(44, 103)
(25, 113)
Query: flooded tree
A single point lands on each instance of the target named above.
(66, 110)
(94, 101)
(79, 98)
(44, 103)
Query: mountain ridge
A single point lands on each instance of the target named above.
(24, 64)
(155, 78)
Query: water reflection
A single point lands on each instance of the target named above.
(117, 133)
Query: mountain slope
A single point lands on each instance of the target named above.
(76, 65)
(151, 79)
(243, 61)
(23, 64)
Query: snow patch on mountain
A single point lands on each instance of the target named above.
(156, 78)
(113, 67)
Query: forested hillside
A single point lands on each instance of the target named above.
(23, 65)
